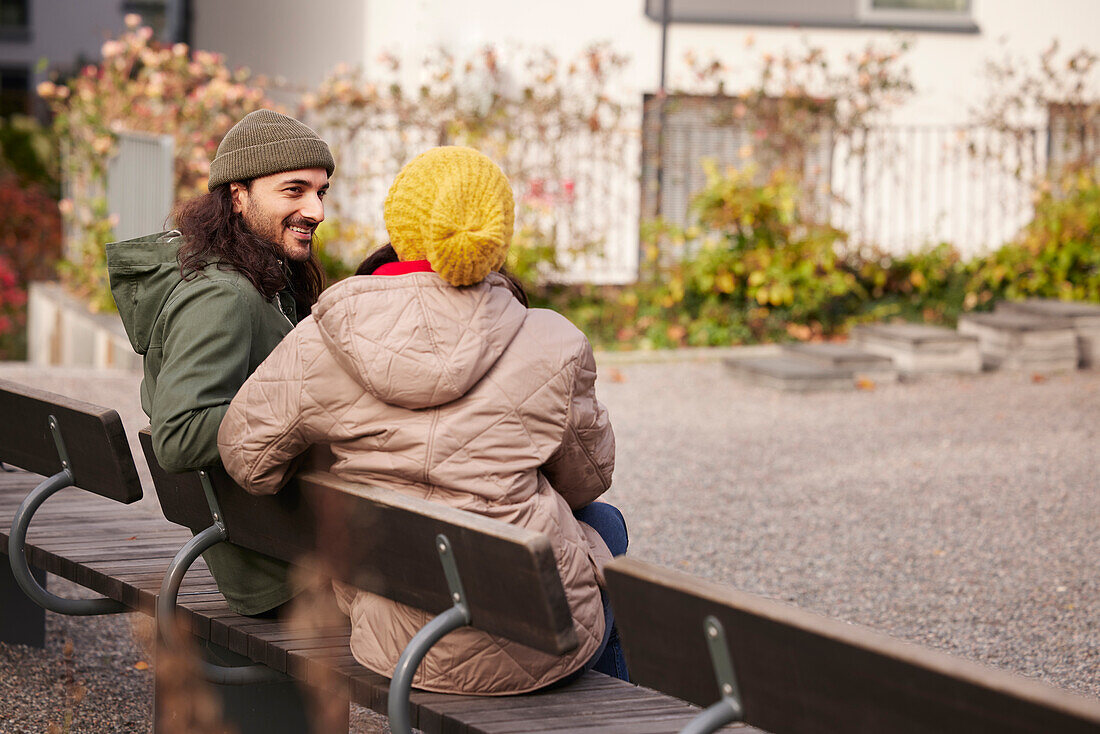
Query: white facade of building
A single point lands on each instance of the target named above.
(921, 194)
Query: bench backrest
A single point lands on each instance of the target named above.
(93, 437)
(384, 542)
(800, 672)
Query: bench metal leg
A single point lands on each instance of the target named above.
(245, 674)
(713, 718)
(401, 685)
(22, 622)
(457, 616)
(279, 707)
(17, 558)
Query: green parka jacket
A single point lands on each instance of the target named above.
(199, 338)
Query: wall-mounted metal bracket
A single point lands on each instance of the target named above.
(455, 617)
(17, 543)
(728, 709)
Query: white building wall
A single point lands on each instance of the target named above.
(295, 42)
(921, 196)
(947, 67)
(929, 192)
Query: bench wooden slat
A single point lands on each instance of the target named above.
(383, 541)
(327, 660)
(800, 672)
(93, 436)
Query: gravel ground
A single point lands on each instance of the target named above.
(955, 512)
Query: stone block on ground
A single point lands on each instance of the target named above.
(859, 362)
(789, 373)
(1085, 318)
(920, 348)
(1019, 341)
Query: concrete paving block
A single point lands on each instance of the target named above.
(1085, 318)
(919, 348)
(791, 374)
(1019, 341)
(859, 362)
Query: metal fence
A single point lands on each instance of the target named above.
(140, 184)
(895, 188)
(139, 188)
(901, 188)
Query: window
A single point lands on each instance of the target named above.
(13, 14)
(15, 96)
(942, 15)
(152, 14)
(917, 13)
(1073, 137)
(711, 127)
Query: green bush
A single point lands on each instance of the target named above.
(30, 151)
(753, 269)
(927, 285)
(750, 267)
(1058, 253)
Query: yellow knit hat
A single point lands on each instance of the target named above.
(453, 207)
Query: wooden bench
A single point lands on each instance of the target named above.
(778, 668)
(785, 670)
(467, 568)
(87, 536)
(74, 444)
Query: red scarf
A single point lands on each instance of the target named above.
(402, 268)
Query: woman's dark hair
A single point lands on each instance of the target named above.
(382, 256)
(386, 254)
(214, 233)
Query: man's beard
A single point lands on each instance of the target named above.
(274, 232)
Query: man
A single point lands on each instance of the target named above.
(204, 304)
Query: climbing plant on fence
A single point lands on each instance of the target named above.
(556, 128)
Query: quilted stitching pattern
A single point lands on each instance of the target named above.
(458, 395)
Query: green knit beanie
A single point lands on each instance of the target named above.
(265, 142)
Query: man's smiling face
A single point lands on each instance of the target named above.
(284, 208)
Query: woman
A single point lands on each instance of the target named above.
(430, 377)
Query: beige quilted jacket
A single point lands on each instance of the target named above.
(456, 395)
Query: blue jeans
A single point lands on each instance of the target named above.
(606, 520)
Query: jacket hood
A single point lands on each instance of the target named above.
(414, 340)
(143, 273)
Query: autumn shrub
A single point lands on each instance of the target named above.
(751, 270)
(13, 313)
(1058, 253)
(748, 268)
(143, 86)
(30, 228)
(30, 240)
(929, 284)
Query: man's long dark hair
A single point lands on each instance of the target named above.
(214, 233)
